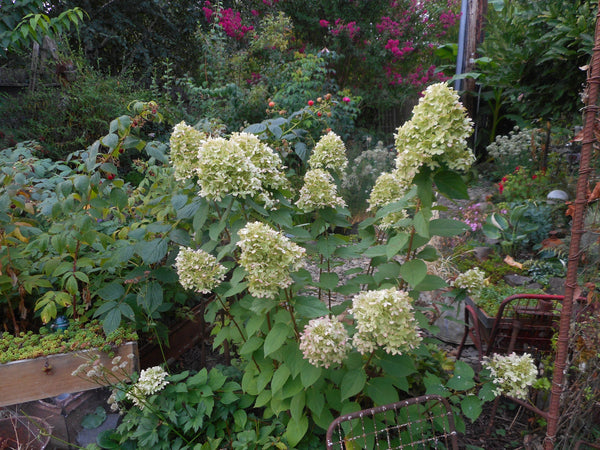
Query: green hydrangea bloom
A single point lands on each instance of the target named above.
(319, 191)
(436, 134)
(268, 256)
(389, 188)
(185, 143)
(198, 270)
(329, 153)
(385, 319)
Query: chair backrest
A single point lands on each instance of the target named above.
(525, 323)
(424, 422)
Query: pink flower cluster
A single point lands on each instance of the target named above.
(387, 25)
(393, 45)
(340, 27)
(230, 20)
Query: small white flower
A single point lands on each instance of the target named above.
(150, 382)
(268, 256)
(324, 342)
(319, 191)
(198, 270)
(329, 153)
(385, 318)
(472, 280)
(512, 374)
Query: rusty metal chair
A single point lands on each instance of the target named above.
(524, 323)
(418, 423)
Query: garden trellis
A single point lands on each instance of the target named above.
(577, 230)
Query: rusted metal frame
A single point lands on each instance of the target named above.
(501, 320)
(471, 331)
(591, 111)
(397, 406)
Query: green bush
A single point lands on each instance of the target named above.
(64, 120)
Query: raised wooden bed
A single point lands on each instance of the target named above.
(49, 376)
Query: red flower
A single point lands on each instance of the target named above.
(500, 187)
(533, 177)
(505, 179)
(310, 103)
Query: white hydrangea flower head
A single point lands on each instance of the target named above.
(225, 169)
(385, 318)
(472, 280)
(198, 270)
(319, 191)
(268, 257)
(268, 166)
(150, 382)
(241, 166)
(329, 153)
(185, 143)
(325, 342)
(512, 374)
(389, 188)
(436, 134)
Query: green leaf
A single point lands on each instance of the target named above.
(434, 385)
(111, 291)
(315, 400)
(398, 365)
(447, 227)
(201, 215)
(309, 374)
(486, 393)
(255, 128)
(471, 407)
(396, 244)
(295, 431)
(353, 382)
(463, 377)
(263, 398)
(152, 251)
(276, 337)
(108, 439)
(110, 140)
(424, 187)
(421, 225)
(382, 391)
(451, 185)
(328, 280)
(301, 150)
(119, 198)
(95, 419)
(112, 320)
(413, 272)
(390, 270)
(180, 236)
(157, 150)
(310, 307)
(297, 405)
(491, 231)
(280, 376)
(431, 283)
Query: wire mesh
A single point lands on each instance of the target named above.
(417, 424)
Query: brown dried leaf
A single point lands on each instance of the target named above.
(511, 262)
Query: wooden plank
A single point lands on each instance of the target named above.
(49, 376)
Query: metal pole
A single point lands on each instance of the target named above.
(591, 110)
